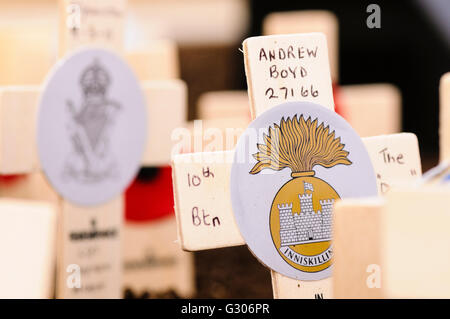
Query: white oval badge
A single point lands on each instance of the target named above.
(91, 127)
(289, 167)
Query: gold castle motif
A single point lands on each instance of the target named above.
(307, 226)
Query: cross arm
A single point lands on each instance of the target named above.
(200, 197)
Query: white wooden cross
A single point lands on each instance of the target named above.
(83, 22)
(397, 162)
(203, 204)
(159, 95)
(380, 237)
(150, 60)
(223, 104)
(376, 256)
(359, 103)
(156, 60)
(27, 243)
(28, 227)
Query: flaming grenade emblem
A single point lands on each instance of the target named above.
(90, 127)
(301, 212)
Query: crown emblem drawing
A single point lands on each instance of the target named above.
(301, 212)
(95, 79)
(90, 127)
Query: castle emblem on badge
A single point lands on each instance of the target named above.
(90, 124)
(301, 212)
(308, 226)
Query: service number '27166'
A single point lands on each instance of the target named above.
(285, 92)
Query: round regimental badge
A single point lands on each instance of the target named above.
(290, 166)
(91, 129)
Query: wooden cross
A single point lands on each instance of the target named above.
(159, 94)
(357, 222)
(205, 218)
(157, 60)
(28, 227)
(387, 233)
(405, 232)
(28, 223)
(227, 111)
(91, 23)
(223, 104)
(27, 234)
(359, 103)
(305, 22)
(98, 23)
